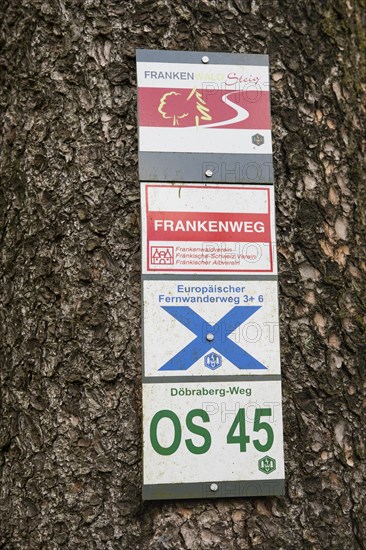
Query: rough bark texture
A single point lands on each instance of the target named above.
(70, 429)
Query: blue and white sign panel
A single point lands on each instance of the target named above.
(212, 327)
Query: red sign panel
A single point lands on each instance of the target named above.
(179, 107)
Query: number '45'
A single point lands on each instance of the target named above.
(242, 439)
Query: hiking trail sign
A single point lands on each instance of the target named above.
(212, 409)
(240, 315)
(204, 117)
(208, 228)
(211, 380)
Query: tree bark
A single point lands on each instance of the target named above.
(70, 426)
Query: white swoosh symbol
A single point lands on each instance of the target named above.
(242, 113)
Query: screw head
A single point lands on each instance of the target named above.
(210, 337)
(214, 487)
(209, 173)
(205, 59)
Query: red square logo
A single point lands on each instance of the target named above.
(161, 255)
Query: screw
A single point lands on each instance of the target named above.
(209, 173)
(210, 337)
(214, 487)
(205, 59)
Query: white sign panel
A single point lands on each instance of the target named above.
(207, 228)
(213, 439)
(212, 327)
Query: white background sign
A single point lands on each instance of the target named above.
(242, 316)
(214, 109)
(192, 435)
(208, 228)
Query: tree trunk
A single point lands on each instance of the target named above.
(70, 426)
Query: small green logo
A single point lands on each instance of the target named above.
(267, 465)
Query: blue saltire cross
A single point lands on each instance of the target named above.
(185, 358)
